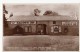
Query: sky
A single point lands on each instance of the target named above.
(28, 9)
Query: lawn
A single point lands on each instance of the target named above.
(41, 43)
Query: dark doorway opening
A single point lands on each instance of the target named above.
(18, 30)
(41, 29)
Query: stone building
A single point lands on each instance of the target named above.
(43, 25)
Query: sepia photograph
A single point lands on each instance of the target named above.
(41, 27)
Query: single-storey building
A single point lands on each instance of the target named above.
(44, 25)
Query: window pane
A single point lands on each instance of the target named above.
(26, 29)
(30, 29)
(63, 23)
(74, 23)
(56, 29)
(52, 29)
(54, 22)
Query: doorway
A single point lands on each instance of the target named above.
(41, 29)
(18, 30)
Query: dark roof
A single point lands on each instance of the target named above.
(24, 18)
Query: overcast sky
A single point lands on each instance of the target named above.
(27, 9)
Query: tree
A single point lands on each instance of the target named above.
(36, 12)
(50, 13)
(6, 30)
(4, 17)
(11, 15)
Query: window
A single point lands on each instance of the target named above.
(74, 23)
(54, 22)
(69, 23)
(63, 23)
(55, 29)
(28, 29)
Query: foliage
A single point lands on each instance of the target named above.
(50, 13)
(36, 12)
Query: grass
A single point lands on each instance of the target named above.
(41, 43)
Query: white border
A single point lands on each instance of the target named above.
(28, 1)
(1, 27)
(41, 1)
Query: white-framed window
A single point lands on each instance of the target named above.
(74, 23)
(63, 23)
(55, 29)
(28, 29)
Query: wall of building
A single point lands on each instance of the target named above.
(72, 29)
(58, 23)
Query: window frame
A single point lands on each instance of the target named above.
(29, 29)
